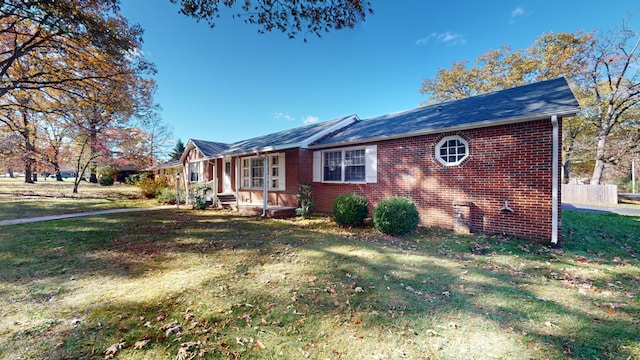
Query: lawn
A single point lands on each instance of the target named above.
(20, 200)
(186, 284)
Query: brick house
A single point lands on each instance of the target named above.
(487, 163)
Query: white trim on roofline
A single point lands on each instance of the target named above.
(305, 143)
(470, 126)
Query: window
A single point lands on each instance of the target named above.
(332, 166)
(246, 173)
(257, 172)
(452, 150)
(253, 168)
(275, 172)
(194, 172)
(354, 165)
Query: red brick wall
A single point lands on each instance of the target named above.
(506, 163)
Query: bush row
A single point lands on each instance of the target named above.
(395, 215)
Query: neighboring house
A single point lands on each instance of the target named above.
(122, 172)
(166, 170)
(487, 163)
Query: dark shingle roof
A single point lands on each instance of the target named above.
(283, 139)
(539, 100)
(210, 148)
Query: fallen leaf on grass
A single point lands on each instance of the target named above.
(111, 352)
(172, 330)
(551, 325)
(185, 353)
(140, 344)
(260, 345)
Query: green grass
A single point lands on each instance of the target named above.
(20, 200)
(176, 284)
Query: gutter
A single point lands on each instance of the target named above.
(555, 178)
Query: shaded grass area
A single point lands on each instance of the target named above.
(212, 284)
(20, 200)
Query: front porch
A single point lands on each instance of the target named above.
(228, 201)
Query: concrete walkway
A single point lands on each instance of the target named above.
(80, 214)
(631, 211)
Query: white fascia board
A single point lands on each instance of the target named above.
(305, 143)
(476, 125)
(190, 145)
(346, 122)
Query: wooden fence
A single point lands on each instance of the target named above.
(585, 194)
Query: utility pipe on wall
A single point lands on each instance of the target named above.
(555, 179)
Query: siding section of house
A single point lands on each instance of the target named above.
(506, 163)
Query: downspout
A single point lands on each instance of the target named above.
(265, 195)
(554, 177)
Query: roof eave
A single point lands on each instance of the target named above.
(301, 144)
(475, 125)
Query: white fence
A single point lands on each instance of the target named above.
(585, 194)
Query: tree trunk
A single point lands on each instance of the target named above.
(28, 173)
(93, 178)
(565, 171)
(56, 170)
(598, 169)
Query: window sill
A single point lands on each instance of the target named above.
(343, 182)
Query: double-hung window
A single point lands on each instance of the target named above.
(354, 165)
(257, 172)
(194, 172)
(350, 165)
(253, 172)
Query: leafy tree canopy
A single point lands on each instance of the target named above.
(289, 16)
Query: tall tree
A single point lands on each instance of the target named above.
(288, 16)
(615, 77)
(59, 50)
(604, 72)
(158, 133)
(10, 152)
(177, 151)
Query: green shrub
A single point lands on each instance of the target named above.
(151, 187)
(199, 194)
(134, 179)
(350, 210)
(167, 195)
(395, 215)
(304, 197)
(105, 180)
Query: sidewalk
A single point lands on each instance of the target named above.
(630, 211)
(80, 214)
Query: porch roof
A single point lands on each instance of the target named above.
(524, 103)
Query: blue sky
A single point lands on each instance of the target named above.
(231, 83)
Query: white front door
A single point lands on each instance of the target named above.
(226, 176)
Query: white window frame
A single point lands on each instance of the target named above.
(276, 172)
(369, 164)
(195, 167)
(454, 153)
